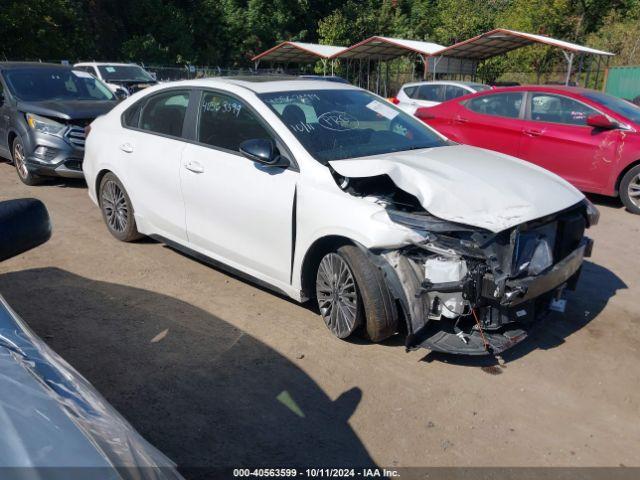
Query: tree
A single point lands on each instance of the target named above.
(40, 29)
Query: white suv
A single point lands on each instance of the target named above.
(324, 190)
(427, 94)
(122, 78)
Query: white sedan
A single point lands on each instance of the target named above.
(325, 191)
(412, 96)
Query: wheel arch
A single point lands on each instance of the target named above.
(318, 249)
(623, 173)
(12, 136)
(99, 178)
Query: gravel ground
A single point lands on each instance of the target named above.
(216, 371)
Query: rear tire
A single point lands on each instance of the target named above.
(630, 190)
(375, 309)
(117, 210)
(19, 160)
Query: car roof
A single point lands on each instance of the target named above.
(544, 88)
(99, 64)
(266, 84)
(443, 82)
(19, 65)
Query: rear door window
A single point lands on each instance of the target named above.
(131, 116)
(546, 107)
(164, 113)
(499, 104)
(225, 122)
(410, 91)
(452, 91)
(431, 93)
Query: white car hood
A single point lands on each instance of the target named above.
(470, 185)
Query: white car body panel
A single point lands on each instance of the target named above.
(240, 214)
(469, 185)
(238, 210)
(154, 167)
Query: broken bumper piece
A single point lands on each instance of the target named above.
(502, 317)
(518, 291)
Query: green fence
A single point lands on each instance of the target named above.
(623, 82)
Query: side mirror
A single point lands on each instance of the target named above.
(121, 94)
(263, 151)
(601, 121)
(24, 224)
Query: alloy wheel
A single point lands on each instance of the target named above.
(115, 207)
(634, 190)
(337, 295)
(18, 158)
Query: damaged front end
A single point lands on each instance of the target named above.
(468, 291)
(465, 290)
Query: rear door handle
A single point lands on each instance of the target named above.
(532, 132)
(194, 167)
(126, 148)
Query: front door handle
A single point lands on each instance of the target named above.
(532, 132)
(194, 167)
(126, 148)
(460, 119)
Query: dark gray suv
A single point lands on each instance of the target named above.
(44, 110)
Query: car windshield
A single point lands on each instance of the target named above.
(339, 124)
(621, 107)
(124, 73)
(42, 84)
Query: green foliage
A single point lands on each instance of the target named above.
(621, 34)
(229, 32)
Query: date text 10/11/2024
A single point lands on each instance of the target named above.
(315, 473)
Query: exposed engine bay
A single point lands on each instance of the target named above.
(467, 290)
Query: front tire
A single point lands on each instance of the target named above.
(117, 210)
(19, 161)
(630, 190)
(352, 293)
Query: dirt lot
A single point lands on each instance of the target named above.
(244, 377)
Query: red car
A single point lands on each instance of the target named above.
(589, 138)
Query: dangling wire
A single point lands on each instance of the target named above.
(484, 340)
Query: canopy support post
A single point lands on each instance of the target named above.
(569, 58)
(588, 75)
(386, 78)
(581, 57)
(595, 86)
(425, 66)
(606, 74)
(436, 61)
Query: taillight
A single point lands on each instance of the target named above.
(394, 100)
(423, 113)
(87, 131)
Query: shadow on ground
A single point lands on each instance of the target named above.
(595, 287)
(60, 182)
(612, 202)
(206, 394)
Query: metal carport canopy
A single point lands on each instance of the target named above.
(499, 41)
(385, 48)
(298, 52)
